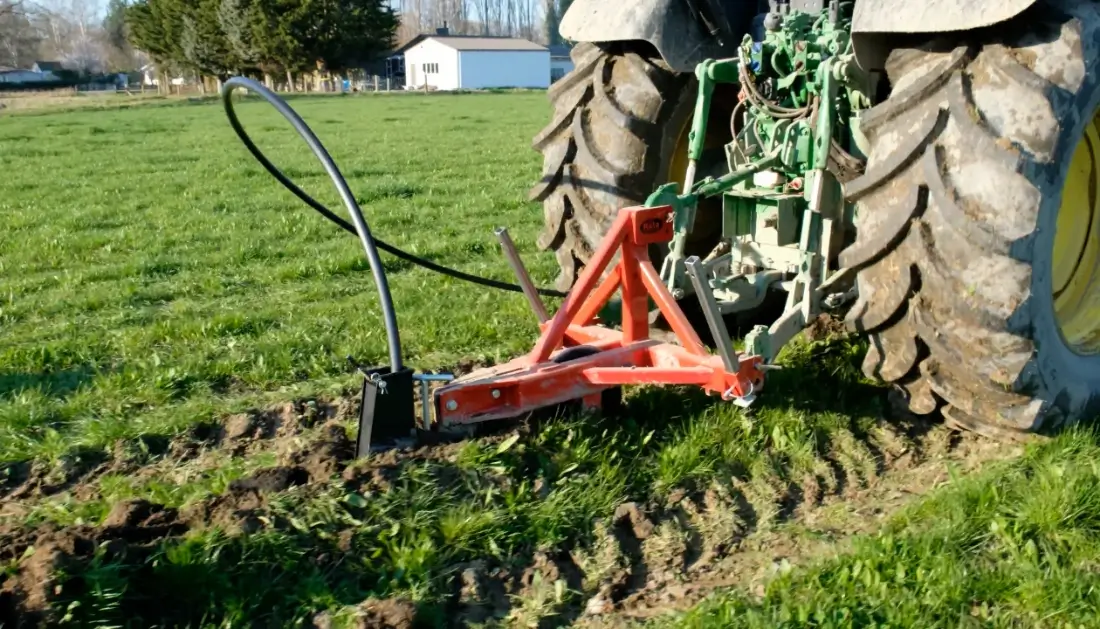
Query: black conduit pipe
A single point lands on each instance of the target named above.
(327, 213)
(393, 338)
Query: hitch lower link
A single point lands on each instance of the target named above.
(575, 358)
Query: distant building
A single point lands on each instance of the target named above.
(450, 62)
(150, 76)
(41, 72)
(13, 75)
(560, 61)
(50, 69)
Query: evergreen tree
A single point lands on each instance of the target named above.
(219, 37)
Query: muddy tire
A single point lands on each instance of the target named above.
(958, 211)
(617, 119)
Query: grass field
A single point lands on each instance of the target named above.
(176, 409)
(155, 273)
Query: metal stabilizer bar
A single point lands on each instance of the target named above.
(522, 275)
(718, 331)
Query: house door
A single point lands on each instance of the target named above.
(412, 75)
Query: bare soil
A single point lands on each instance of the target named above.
(647, 560)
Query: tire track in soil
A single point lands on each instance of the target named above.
(652, 559)
(647, 560)
(912, 459)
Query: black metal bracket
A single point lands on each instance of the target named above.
(386, 411)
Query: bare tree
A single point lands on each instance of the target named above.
(19, 39)
(514, 18)
(72, 34)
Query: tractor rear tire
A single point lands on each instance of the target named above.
(620, 118)
(958, 215)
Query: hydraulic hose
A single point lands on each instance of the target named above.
(324, 211)
(393, 337)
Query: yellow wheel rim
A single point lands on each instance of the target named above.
(677, 166)
(717, 137)
(1075, 269)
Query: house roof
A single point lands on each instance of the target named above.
(49, 66)
(474, 42)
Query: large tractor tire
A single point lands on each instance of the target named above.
(619, 130)
(978, 248)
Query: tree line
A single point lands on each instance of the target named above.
(280, 39)
(73, 32)
(536, 20)
(218, 38)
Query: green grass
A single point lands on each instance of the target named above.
(153, 274)
(1014, 546)
(153, 277)
(409, 539)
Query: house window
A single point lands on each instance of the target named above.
(556, 74)
(431, 68)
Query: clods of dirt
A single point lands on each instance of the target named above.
(271, 479)
(26, 479)
(26, 595)
(365, 477)
(327, 454)
(392, 613)
(14, 477)
(824, 327)
(240, 509)
(549, 569)
(480, 593)
(241, 426)
(470, 365)
(140, 521)
(632, 515)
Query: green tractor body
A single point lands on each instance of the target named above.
(929, 166)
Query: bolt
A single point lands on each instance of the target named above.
(496, 394)
(452, 405)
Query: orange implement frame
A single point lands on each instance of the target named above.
(629, 357)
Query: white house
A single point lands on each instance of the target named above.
(452, 62)
(150, 76)
(560, 62)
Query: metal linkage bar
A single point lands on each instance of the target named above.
(718, 329)
(522, 275)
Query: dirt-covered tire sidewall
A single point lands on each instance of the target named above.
(587, 179)
(957, 215)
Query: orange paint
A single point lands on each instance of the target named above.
(629, 357)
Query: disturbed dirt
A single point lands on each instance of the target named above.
(742, 536)
(646, 560)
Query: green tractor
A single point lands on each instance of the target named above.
(931, 166)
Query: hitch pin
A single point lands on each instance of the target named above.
(425, 393)
(524, 278)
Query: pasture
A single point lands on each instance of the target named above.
(177, 409)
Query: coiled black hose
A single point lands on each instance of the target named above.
(393, 337)
(324, 211)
